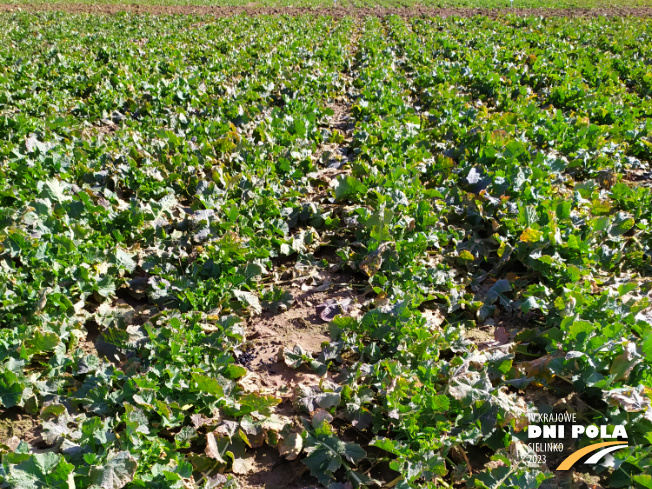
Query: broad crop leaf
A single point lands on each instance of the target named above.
(296, 357)
(124, 260)
(643, 479)
(42, 471)
(290, 447)
(249, 299)
(253, 401)
(54, 190)
(308, 400)
(11, 390)
(105, 286)
(40, 342)
(531, 235)
(621, 224)
(116, 473)
(208, 385)
(327, 453)
(347, 186)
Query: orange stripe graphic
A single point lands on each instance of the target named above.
(575, 456)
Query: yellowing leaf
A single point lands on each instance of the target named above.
(531, 235)
(601, 207)
(466, 255)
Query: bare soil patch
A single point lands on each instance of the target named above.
(300, 325)
(335, 157)
(483, 338)
(267, 337)
(638, 177)
(272, 472)
(15, 426)
(336, 12)
(341, 119)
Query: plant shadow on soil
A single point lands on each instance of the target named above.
(270, 471)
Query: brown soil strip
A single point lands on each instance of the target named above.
(268, 335)
(337, 12)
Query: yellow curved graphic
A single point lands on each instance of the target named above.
(575, 456)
